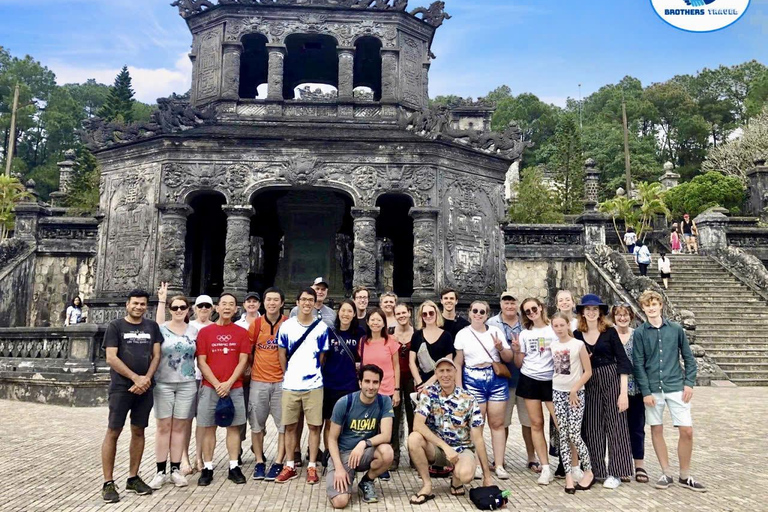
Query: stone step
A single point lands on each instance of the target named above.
(748, 374)
(750, 382)
(739, 367)
(743, 339)
(689, 296)
(737, 355)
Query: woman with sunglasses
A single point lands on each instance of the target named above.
(606, 400)
(478, 346)
(203, 311)
(430, 343)
(623, 317)
(403, 335)
(175, 390)
(533, 355)
(379, 348)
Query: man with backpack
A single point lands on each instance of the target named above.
(267, 383)
(359, 439)
(302, 343)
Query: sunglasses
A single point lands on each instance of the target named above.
(179, 308)
(476, 311)
(532, 311)
(204, 306)
(428, 314)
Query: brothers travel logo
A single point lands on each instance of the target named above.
(700, 15)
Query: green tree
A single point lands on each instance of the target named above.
(449, 101)
(651, 198)
(91, 95)
(705, 191)
(757, 98)
(568, 164)
(84, 188)
(736, 157)
(622, 208)
(498, 94)
(535, 203)
(536, 119)
(11, 192)
(119, 104)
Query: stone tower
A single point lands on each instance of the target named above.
(305, 148)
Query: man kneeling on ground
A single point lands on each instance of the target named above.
(447, 431)
(358, 440)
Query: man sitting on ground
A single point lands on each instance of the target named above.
(447, 431)
(361, 428)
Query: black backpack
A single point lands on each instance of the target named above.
(487, 498)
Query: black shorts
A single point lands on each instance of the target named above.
(121, 401)
(664, 275)
(330, 397)
(533, 389)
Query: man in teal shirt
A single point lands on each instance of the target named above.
(658, 346)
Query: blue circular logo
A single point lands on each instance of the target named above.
(700, 15)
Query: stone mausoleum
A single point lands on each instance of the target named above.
(305, 148)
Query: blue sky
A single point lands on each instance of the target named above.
(546, 47)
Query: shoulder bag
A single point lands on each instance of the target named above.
(500, 369)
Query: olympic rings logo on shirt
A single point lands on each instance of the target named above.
(224, 337)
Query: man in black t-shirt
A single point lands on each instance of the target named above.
(452, 322)
(132, 345)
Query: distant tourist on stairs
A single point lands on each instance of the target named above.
(132, 345)
(74, 312)
(674, 240)
(665, 269)
(690, 232)
(658, 345)
(630, 237)
(642, 257)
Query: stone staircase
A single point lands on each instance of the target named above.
(731, 319)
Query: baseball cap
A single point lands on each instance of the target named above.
(225, 412)
(508, 295)
(320, 280)
(445, 360)
(203, 299)
(252, 295)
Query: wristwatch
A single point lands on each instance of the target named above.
(368, 443)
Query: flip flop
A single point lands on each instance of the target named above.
(458, 490)
(641, 475)
(535, 467)
(417, 499)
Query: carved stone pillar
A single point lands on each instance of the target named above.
(758, 189)
(237, 259)
(713, 228)
(230, 89)
(424, 248)
(670, 179)
(364, 251)
(65, 178)
(346, 72)
(389, 58)
(275, 72)
(425, 80)
(591, 185)
(172, 247)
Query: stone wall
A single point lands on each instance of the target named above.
(542, 279)
(57, 280)
(15, 292)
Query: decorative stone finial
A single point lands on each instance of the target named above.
(30, 185)
(590, 163)
(620, 192)
(70, 154)
(669, 166)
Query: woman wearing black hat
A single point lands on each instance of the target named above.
(605, 418)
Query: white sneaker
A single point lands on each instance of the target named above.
(178, 479)
(158, 481)
(546, 477)
(577, 474)
(611, 482)
(478, 473)
(501, 473)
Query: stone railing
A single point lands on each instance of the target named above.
(544, 240)
(753, 240)
(72, 349)
(69, 235)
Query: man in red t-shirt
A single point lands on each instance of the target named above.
(223, 349)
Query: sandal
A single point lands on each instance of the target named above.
(535, 467)
(458, 490)
(420, 499)
(641, 475)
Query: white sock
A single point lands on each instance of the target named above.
(291, 464)
(312, 465)
(208, 465)
(233, 464)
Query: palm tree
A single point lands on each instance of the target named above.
(11, 192)
(651, 204)
(624, 208)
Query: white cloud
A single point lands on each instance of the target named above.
(149, 84)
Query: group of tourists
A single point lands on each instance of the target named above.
(361, 376)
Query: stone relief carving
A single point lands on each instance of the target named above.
(238, 250)
(302, 171)
(364, 249)
(47, 348)
(127, 251)
(411, 60)
(424, 252)
(172, 241)
(344, 33)
(472, 237)
(208, 64)
(189, 8)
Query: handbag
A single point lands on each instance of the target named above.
(500, 369)
(426, 363)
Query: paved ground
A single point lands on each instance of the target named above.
(49, 460)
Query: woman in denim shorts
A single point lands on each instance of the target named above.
(478, 346)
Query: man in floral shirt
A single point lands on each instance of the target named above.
(447, 431)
